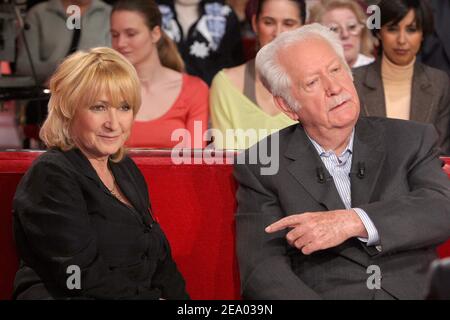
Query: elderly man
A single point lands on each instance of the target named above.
(357, 206)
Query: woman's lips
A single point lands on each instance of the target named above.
(401, 52)
(109, 139)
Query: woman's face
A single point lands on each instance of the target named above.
(99, 130)
(401, 41)
(131, 36)
(344, 22)
(276, 17)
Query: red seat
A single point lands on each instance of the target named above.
(195, 204)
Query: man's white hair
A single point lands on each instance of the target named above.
(273, 75)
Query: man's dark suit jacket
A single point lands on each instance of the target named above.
(430, 97)
(404, 191)
(64, 215)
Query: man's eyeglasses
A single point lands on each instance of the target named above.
(353, 28)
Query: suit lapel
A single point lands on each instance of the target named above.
(304, 168)
(422, 102)
(368, 153)
(373, 100)
(77, 158)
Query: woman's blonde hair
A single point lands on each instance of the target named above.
(323, 6)
(79, 81)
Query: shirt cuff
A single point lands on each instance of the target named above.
(374, 238)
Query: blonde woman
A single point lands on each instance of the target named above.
(347, 19)
(84, 203)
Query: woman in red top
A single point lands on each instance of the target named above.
(174, 110)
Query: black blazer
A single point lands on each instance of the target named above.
(64, 215)
(430, 97)
(404, 191)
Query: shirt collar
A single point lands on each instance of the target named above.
(326, 153)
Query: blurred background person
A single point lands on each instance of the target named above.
(348, 20)
(238, 99)
(50, 41)
(171, 99)
(436, 47)
(9, 133)
(239, 7)
(397, 85)
(206, 32)
(84, 203)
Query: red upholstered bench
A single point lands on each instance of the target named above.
(195, 204)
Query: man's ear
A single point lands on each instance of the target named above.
(283, 105)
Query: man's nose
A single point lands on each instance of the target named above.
(332, 86)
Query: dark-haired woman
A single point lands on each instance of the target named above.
(238, 100)
(174, 104)
(398, 86)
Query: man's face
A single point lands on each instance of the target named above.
(321, 85)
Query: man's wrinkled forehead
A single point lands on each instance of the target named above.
(307, 56)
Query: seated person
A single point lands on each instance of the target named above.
(347, 19)
(238, 100)
(83, 205)
(50, 40)
(435, 50)
(357, 205)
(206, 32)
(399, 86)
(173, 103)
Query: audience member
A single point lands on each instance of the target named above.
(347, 19)
(238, 100)
(207, 34)
(50, 39)
(398, 86)
(173, 103)
(52, 33)
(82, 216)
(436, 47)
